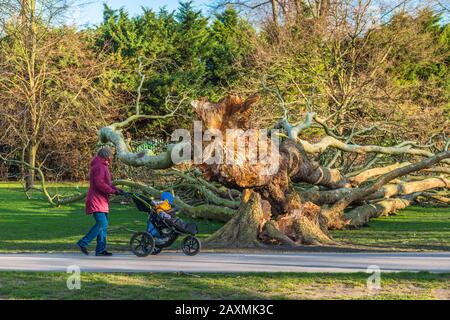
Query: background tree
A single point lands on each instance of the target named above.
(332, 74)
(359, 91)
(179, 54)
(231, 48)
(349, 74)
(48, 79)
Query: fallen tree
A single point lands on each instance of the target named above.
(297, 203)
(272, 210)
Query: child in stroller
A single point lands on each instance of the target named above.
(165, 210)
(163, 227)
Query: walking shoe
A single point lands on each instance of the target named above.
(103, 254)
(83, 249)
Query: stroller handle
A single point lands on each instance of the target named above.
(124, 193)
(130, 195)
(136, 197)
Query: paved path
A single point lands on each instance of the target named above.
(230, 262)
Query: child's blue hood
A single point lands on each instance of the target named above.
(167, 196)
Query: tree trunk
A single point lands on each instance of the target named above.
(275, 14)
(361, 215)
(271, 212)
(243, 229)
(30, 176)
(253, 227)
(324, 8)
(334, 214)
(31, 47)
(304, 224)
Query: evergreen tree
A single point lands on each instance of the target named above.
(180, 55)
(230, 46)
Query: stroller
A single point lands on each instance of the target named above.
(161, 232)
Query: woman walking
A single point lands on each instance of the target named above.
(97, 202)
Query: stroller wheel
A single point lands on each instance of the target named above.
(156, 251)
(142, 244)
(191, 246)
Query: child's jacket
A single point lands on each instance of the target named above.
(163, 206)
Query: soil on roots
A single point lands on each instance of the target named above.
(253, 226)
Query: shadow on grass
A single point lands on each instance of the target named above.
(416, 228)
(119, 286)
(34, 225)
(209, 286)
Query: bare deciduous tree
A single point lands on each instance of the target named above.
(47, 76)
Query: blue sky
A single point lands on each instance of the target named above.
(91, 12)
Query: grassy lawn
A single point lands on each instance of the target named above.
(15, 285)
(415, 228)
(34, 226)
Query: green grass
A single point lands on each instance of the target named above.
(35, 226)
(19, 285)
(415, 228)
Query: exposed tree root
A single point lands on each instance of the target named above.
(269, 212)
(243, 229)
(324, 197)
(252, 227)
(271, 232)
(304, 225)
